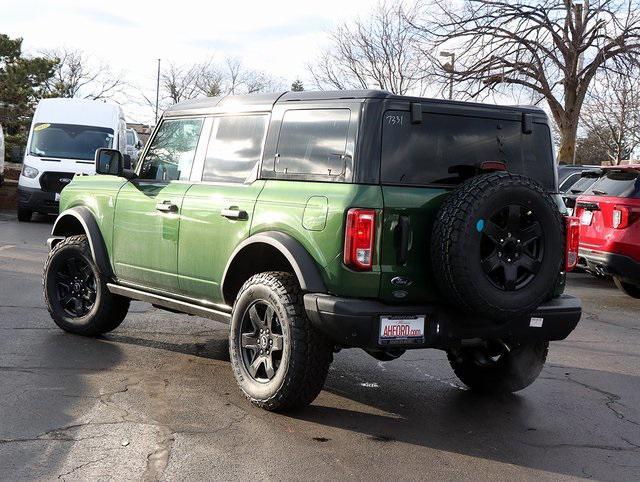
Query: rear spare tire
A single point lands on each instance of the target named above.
(497, 247)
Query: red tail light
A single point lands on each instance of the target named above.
(620, 217)
(572, 242)
(358, 238)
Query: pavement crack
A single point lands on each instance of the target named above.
(78, 467)
(613, 448)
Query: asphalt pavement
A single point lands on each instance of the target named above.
(156, 399)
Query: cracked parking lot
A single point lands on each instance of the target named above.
(156, 399)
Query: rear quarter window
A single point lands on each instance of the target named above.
(443, 149)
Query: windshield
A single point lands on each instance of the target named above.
(616, 184)
(69, 141)
(130, 138)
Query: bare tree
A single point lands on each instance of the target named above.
(552, 48)
(76, 75)
(380, 51)
(181, 82)
(611, 113)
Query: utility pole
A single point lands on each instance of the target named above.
(157, 90)
(450, 66)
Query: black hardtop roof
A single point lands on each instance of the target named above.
(266, 102)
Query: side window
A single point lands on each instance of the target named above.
(172, 150)
(313, 141)
(235, 147)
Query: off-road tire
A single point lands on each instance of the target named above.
(456, 237)
(24, 215)
(629, 289)
(307, 354)
(108, 310)
(512, 372)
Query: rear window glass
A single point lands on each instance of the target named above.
(616, 184)
(313, 141)
(443, 149)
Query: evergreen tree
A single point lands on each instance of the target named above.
(297, 86)
(21, 86)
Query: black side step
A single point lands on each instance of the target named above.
(171, 304)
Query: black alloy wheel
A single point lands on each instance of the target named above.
(75, 286)
(512, 247)
(261, 341)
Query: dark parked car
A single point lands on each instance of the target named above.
(569, 174)
(584, 182)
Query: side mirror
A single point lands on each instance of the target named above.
(109, 161)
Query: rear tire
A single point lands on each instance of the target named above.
(478, 369)
(279, 360)
(24, 215)
(630, 289)
(76, 293)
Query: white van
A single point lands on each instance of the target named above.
(64, 136)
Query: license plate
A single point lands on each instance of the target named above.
(57, 196)
(404, 329)
(586, 218)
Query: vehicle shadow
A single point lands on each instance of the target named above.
(559, 425)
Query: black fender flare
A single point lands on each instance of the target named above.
(304, 266)
(84, 216)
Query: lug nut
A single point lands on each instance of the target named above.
(261, 352)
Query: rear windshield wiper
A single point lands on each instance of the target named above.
(598, 192)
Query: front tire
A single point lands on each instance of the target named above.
(280, 362)
(76, 293)
(491, 370)
(630, 289)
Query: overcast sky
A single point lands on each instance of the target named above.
(277, 36)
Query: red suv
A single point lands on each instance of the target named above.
(609, 213)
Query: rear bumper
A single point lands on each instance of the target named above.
(624, 267)
(37, 200)
(356, 323)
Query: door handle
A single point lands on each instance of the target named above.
(234, 212)
(167, 207)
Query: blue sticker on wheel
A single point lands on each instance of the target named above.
(480, 225)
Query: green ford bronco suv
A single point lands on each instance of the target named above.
(314, 221)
